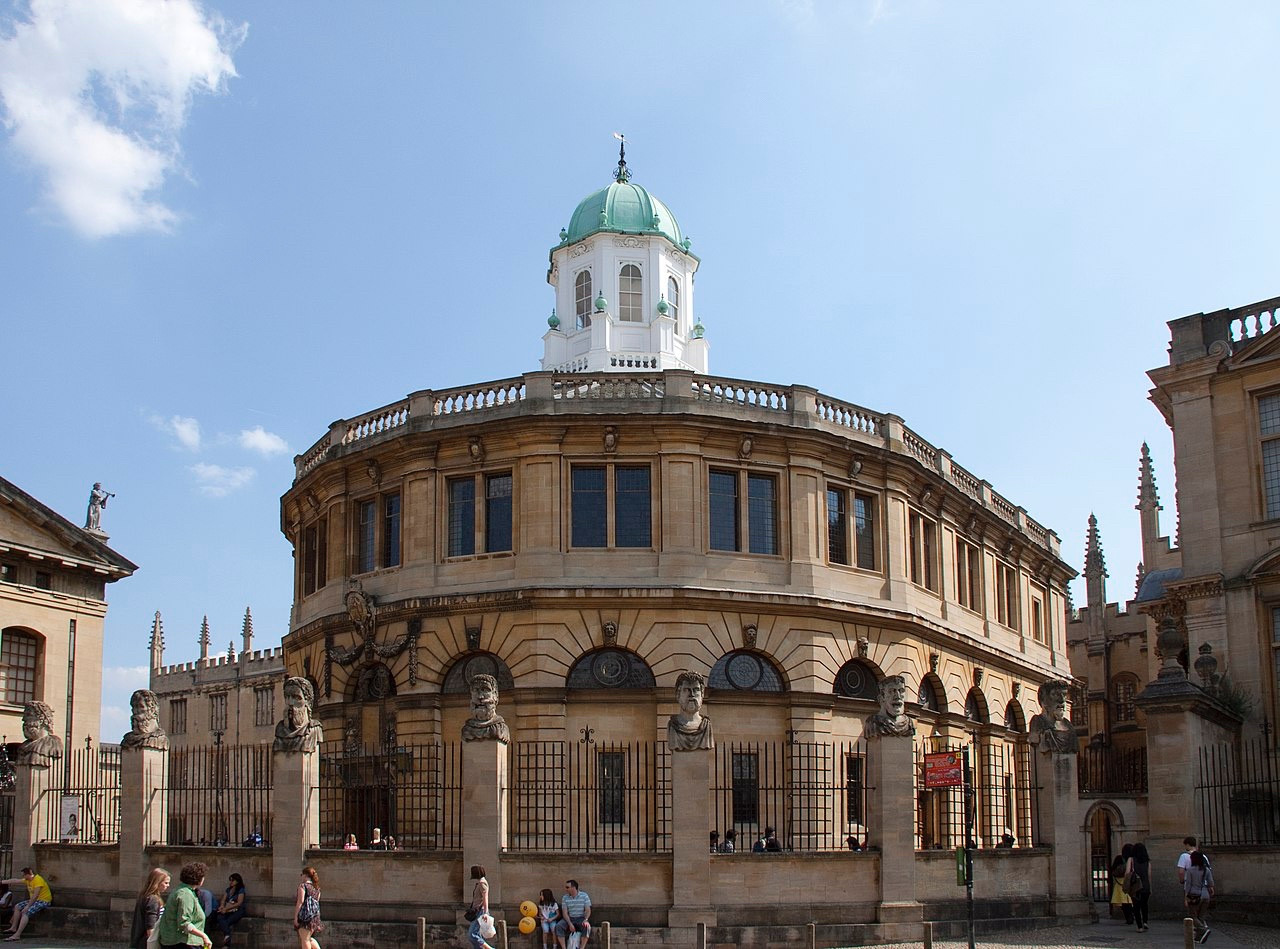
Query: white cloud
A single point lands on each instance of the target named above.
(185, 430)
(260, 440)
(215, 481)
(96, 93)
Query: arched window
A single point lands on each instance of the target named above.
(673, 300)
(930, 696)
(858, 679)
(20, 658)
(458, 679)
(630, 309)
(1124, 688)
(745, 671)
(582, 298)
(610, 669)
(1014, 720)
(975, 707)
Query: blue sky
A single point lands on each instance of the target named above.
(225, 225)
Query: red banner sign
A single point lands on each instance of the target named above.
(944, 769)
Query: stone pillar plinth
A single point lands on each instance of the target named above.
(484, 816)
(142, 814)
(690, 823)
(1060, 817)
(295, 824)
(35, 809)
(891, 825)
(1181, 719)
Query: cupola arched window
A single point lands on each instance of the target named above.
(582, 298)
(745, 671)
(673, 300)
(629, 294)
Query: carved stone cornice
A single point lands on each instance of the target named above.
(1196, 588)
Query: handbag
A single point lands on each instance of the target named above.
(1132, 884)
(487, 928)
(471, 914)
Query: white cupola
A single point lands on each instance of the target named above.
(623, 277)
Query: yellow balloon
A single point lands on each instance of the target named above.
(528, 908)
(528, 924)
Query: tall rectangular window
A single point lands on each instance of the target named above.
(746, 787)
(218, 712)
(366, 527)
(723, 489)
(19, 661)
(853, 786)
(462, 517)
(611, 787)
(632, 507)
(1039, 629)
(864, 525)
(315, 556)
(391, 530)
(588, 528)
(1269, 427)
(497, 513)
(630, 293)
(920, 533)
(44, 580)
(968, 575)
(264, 705)
(837, 527)
(762, 513)
(1007, 596)
(177, 716)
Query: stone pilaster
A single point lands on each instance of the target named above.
(1061, 827)
(891, 824)
(142, 814)
(295, 824)
(691, 821)
(484, 815)
(35, 808)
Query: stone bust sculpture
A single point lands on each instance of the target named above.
(42, 747)
(689, 729)
(144, 723)
(297, 731)
(1050, 730)
(892, 720)
(485, 724)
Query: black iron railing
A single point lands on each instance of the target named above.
(590, 796)
(1238, 794)
(219, 795)
(86, 810)
(1003, 781)
(1112, 771)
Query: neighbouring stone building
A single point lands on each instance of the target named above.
(53, 583)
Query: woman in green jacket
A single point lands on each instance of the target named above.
(182, 924)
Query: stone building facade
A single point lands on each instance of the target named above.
(53, 581)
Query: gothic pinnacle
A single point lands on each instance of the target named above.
(1094, 562)
(1148, 497)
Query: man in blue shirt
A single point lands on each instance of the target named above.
(575, 915)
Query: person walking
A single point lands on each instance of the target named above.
(182, 923)
(1197, 891)
(1119, 898)
(306, 911)
(1139, 864)
(479, 907)
(146, 912)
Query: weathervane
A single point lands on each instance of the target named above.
(622, 175)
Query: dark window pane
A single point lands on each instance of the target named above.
(364, 536)
(612, 786)
(837, 527)
(724, 510)
(746, 788)
(865, 530)
(322, 552)
(462, 517)
(391, 530)
(19, 653)
(497, 513)
(309, 561)
(632, 520)
(853, 788)
(762, 513)
(588, 508)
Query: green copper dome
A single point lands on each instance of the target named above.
(622, 208)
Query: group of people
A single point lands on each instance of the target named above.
(768, 842)
(1131, 885)
(376, 842)
(565, 924)
(184, 916)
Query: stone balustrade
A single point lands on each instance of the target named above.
(649, 392)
